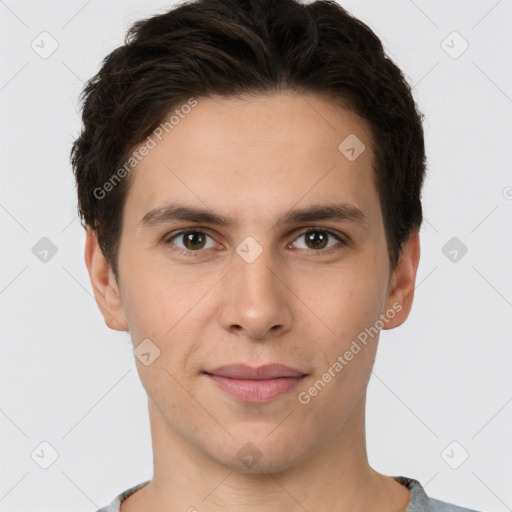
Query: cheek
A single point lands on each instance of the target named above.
(344, 300)
(146, 309)
(348, 301)
(154, 298)
(171, 309)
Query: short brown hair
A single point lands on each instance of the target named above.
(236, 47)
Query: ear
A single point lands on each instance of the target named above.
(104, 284)
(403, 281)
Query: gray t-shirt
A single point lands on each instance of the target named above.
(420, 502)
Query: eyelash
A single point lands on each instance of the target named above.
(195, 254)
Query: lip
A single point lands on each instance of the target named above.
(256, 385)
(265, 372)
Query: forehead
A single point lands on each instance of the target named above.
(260, 154)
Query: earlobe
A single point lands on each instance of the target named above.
(403, 282)
(104, 284)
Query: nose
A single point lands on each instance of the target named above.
(256, 301)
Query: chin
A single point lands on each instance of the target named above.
(259, 455)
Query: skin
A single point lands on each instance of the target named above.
(255, 159)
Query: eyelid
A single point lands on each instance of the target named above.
(170, 236)
(338, 236)
(297, 234)
(331, 232)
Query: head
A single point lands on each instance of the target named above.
(262, 114)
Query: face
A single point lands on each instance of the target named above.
(251, 238)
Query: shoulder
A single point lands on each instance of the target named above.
(420, 502)
(441, 506)
(115, 505)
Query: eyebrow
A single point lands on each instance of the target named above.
(175, 212)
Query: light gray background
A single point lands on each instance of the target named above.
(444, 376)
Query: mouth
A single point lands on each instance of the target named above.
(256, 385)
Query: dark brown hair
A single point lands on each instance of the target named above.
(237, 47)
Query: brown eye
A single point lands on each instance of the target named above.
(317, 240)
(194, 240)
(191, 240)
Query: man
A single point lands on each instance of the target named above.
(249, 174)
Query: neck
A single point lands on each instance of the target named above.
(337, 477)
